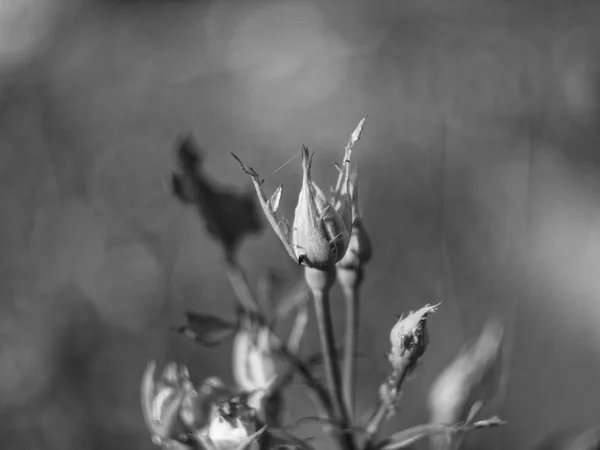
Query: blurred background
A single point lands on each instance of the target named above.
(480, 188)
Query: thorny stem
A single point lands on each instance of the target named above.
(385, 404)
(332, 368)
(351, 295)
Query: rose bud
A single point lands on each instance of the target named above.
(258, 368)
(409, 339)
(233, 425)
(321, 228)
(173, 407)
(320, 235)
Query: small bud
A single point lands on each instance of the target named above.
(172, 407)
(470, 381)
(232, 423)
(320, 235)
(409, 338)
(257, 367)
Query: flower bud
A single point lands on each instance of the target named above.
(232, 423)
(173, 407)
(470, 381)
(257, 367)
(409, 338)
(320, 235)
(321, 231)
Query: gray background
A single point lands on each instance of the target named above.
(479, 188)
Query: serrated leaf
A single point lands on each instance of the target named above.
(206, 330)
(288, 439)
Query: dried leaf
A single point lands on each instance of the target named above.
(229, 216)
(275, 199)
(206, 330)
(279, 225)
(357, 133)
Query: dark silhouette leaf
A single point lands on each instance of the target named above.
(228, 215)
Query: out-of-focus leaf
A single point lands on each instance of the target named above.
(404, 438)
(296, 296)
(228, 215)
(588, 439)
(206, 330)
(246, 444)
(283, 438)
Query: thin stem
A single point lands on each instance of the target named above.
(395, 382)
(332, 368)
(350, 344)
(241, 287)
(327, 338)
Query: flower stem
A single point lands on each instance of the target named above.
(320, 283)
(352, 279)
(386, 403)
(241, 287)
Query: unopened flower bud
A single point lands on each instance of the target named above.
(409, 338)
(257, 366)
(359, 249)
(320, 235)
(470, 381)
(232, 424)
(321, 230)
(173, 407)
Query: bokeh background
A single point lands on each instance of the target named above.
(479, 186)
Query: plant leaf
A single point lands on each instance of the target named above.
(205, 329)
(296, 296)
(228, 215)
(275, 199)
(404, 438)
(588, 439)
(245, 445)
(284, 438)
(278, 226)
